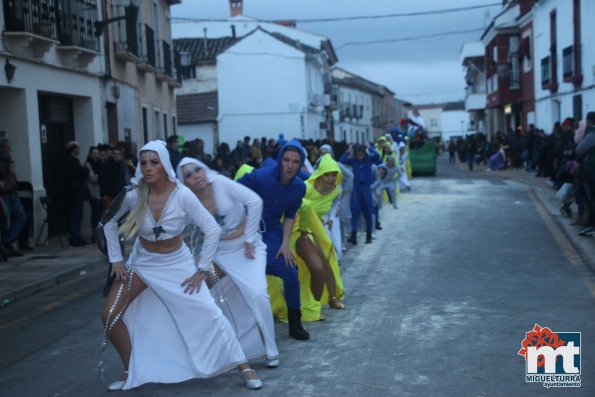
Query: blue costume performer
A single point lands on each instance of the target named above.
(361, 159)
(282, 192)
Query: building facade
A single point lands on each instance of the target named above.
(86, 70)
(270, 84)
(138, 88)
(198, 100)
(564, 60)
(472, 59)
(50, 91)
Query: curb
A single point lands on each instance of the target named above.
(59, 278)
(572, 238)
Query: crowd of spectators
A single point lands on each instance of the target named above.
(564, 156)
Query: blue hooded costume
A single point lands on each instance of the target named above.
(361, 197)
(280, 201)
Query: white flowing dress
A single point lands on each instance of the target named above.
(174, 336)
(245, 283)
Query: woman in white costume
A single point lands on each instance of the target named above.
(241, 255)
(165, 327)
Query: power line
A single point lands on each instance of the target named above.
(352, 18)
(410, 38)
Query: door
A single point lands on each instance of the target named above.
(56, 129)
(112, 122)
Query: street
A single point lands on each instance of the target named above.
(437, 305)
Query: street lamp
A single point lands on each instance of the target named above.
(9, 70)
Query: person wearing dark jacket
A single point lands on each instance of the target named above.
(112, 178)
(586, 151)
(77, 192)
(15, 216)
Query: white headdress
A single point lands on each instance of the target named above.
(161, 149)
(191, 160)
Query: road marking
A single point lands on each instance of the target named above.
(43, 308)
(567, 248)
(61, 301)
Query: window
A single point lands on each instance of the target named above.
(157, 125)
(577, 107)
(434, 123)
(165, 124)
(514, 81)
(567, 62)
(545, 71)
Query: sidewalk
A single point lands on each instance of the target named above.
(585, 246)
(44, 267)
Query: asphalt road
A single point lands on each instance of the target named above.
(437, 306)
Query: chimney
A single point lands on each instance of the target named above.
(236, 7)
(206, 43)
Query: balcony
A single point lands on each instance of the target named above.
(37, 25)
(476, 101)
(126, 33)
(76, 31)
(148, 61)
(31, 25)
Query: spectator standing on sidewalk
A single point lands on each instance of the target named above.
(452, 152)
(16, 216)
(470, 151)
(77, 192)
(112, 178)
(173, 147)
(93, 164)
(586, 151)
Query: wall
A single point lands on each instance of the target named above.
(204, 131)
(262, 89)
(555, 107)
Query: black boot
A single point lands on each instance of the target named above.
(353, 238)
(296, 331)
(369, 238)
(378, 227)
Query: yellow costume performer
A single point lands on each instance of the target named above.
(309, 220)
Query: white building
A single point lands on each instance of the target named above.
(62, 86)
(472, 58)
(355, 98)
(270, 84)
(564, 34)
(444, 120)
(50, 92)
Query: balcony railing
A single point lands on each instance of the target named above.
(126, 30)
(72, 22)
(76, 26)
(38, 17)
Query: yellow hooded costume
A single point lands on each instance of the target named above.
(309, 220)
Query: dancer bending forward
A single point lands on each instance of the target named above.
(241, 255)
(165, 327)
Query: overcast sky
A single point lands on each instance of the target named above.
(420, 71)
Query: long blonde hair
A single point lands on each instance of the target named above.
(136, 217)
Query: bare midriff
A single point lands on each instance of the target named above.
(162, 246)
